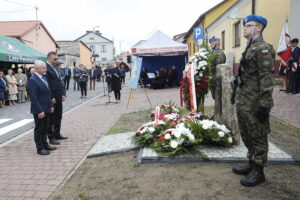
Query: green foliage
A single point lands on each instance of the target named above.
(83, 196)
(136, 164)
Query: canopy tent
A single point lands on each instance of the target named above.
(159, 44)
(14, 51)
(160, 51)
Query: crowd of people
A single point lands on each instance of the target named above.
(46, 84)
(165, 77)
(13, 85)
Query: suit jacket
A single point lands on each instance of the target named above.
(67, 72)
(295, 55)
(55, 83)
(3, 85)
(21, 81)
(40, 95)
(93, 73)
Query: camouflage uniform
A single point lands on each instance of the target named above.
(219, 58)
(256, 90)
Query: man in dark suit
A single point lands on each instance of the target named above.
(58, 95)
(67, 73)
(293, 67)
(41, 106)
(93, 77)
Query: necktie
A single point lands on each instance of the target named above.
(44, 80)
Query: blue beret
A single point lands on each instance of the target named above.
(213, 39)
(255, 18)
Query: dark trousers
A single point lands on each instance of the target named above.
(40, 131)
(293, 82)
(67, 82)
(55, 120)
(117, 95)
(83, 88)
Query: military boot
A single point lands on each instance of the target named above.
(254, 177)
(243, 170)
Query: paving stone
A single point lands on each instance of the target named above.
(114, 143)
(219, 154)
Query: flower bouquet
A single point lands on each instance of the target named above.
(172, 134)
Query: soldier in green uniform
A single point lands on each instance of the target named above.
(219, 58)
(254, 99)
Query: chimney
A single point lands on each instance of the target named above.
(98, 32)
(89, 31)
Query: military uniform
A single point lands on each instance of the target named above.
(219, 58)
(256, 90)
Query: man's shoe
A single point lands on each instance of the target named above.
(54, 141)
(255, 177)
(43, 152)
(50, 148)
(61, 137)
(243, 170)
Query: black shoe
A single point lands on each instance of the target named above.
(242, 170)
(43, 152)
(50, 148)
(54, 141)
(61, 137)
(255, 177)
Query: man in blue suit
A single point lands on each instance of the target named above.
(293, 67)
(58, 95)
(41, 106)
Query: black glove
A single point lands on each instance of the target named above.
(262, 113)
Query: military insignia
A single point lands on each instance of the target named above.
(266, 63)
(265, 52)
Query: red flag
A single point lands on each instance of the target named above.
(284, 48)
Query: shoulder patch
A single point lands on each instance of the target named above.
(265, 52)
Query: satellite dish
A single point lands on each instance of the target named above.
(234, 13)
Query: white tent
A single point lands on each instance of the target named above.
(159, 44)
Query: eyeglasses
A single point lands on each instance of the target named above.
(249, 25)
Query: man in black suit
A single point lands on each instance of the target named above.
(41, 106)
(293, 67)
(93, 77)
(67, 73)
(58, 95)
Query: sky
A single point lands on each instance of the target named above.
(124, 21)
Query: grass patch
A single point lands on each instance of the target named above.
(136, 164)
(209, 110)
(280, 125)
(278, 81)
(130, 121)
(83, 196)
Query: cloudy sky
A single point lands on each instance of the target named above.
(124, 21)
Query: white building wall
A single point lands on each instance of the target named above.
(96, 43)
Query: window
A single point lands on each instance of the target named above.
(103, 48)
(91, 38)
(92, 47)
(223, 40)
(103, 59)
(237, 34)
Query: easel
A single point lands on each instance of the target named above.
(132, 94)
